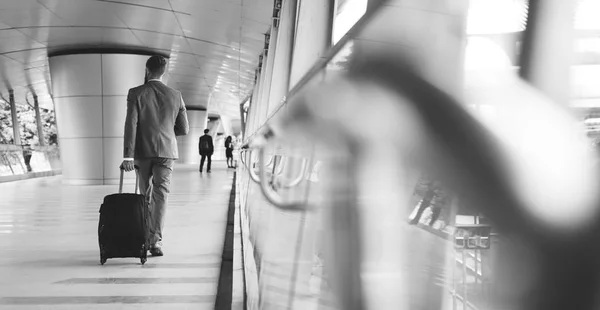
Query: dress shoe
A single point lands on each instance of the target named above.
(156, 252)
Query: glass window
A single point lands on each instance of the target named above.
(496, 17)
(585, 69)
(347, 13)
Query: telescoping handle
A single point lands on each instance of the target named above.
(136, 179)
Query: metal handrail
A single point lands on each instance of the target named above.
(250, 168)
(280, 165)
(248, 152)
(243, 156)
(271, 158)
(301, 177)
(471, 162)
(270, 194)
(469, 158)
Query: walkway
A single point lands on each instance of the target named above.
(49, 255)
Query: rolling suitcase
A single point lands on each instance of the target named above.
(123, 225)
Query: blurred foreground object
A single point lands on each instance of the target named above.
(528, 170)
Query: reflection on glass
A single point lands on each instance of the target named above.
(338, 65)
(585, 68)
(586, 15)
(348, 12)
(497, 16)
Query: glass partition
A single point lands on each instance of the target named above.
(347, 13)
(585, 71)
(370, 194)
(16, 160)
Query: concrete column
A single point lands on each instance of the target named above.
(38, 120)
(188, 144)
(90, 98)
(214, 127)
(312, 37)
(15, 118)
(227, 125)
(283, 54)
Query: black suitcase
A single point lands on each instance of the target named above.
(123, 225)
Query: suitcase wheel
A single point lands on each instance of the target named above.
(143, 260)
(102, 260)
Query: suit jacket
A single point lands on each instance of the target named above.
(210, 142)
(155, 116)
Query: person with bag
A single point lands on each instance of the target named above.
(156, 114)
(229, 152)
(206, 149)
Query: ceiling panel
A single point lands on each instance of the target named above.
(15, 40)
(85, 12)
(224, 30)
(32, 58)
(74, 36)
(21, 4)
(188, 70)
(257, 15)
(213, 44)
(148, 19)
(120, 37)
(11, 72)
(34, 15)
(152, 4)
(208, 48)
(210, 6)
(184, 59)
(166, 41)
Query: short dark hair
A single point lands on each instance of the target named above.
(157, 65)
(206, 130)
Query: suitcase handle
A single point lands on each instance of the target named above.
(137, 177)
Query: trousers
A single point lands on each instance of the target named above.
(203, 157)
(155, 180)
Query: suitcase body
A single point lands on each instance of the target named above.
(123, 225)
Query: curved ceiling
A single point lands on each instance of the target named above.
(213, 44)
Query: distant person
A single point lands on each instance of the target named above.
(425, 202)
(229, 151)
(440, 199)
(435, 198)
(206, 149)
(155, 115)
(27, 153)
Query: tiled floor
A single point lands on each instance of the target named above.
(49, 256)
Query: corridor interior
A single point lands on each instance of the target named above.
(49, 246)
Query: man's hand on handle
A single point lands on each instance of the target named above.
(127, 165)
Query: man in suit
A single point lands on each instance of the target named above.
(156, 114)
(206, 149)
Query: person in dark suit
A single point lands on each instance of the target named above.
(156, 114)
(206, 149)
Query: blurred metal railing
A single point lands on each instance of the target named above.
(469, 154)
(434, 133)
